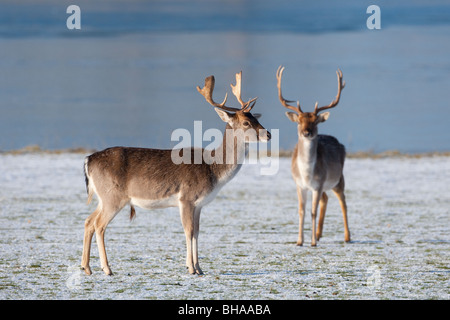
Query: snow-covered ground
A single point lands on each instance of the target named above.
(398, 218)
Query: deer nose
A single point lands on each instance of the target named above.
(264, 135)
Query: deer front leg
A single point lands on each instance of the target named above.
(195, 241)
(316, 195)
(104, 217)
(323, 208)
(302, 194)
(187, 219)
(101, 222)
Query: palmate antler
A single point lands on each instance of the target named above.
(245, 106)
(208, 89)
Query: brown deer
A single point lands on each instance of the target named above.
(149, 178)
(317, 162)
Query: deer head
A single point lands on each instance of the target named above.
(237, 118)
(308, 121)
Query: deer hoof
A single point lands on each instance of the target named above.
(87, 270)
(198, 271)
(107, 271)
(191, 270)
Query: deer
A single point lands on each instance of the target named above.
(317, 162)
(149, 178)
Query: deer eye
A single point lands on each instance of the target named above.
(246, 123)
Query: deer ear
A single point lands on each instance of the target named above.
(225, 116)
(257, 115)
(323, 117)
(292, 116)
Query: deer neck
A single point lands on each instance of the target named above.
(229, 156)
(307, 154)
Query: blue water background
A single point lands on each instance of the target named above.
(128, 77)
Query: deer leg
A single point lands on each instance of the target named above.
(87, 240)
(323, 207)
(195, 241)
(343, 204)
(339, 192)
(302, 194)
(187, 219)
(316, 196)
(101, 222)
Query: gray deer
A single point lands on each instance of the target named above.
(317, 162)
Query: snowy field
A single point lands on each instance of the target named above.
(398, 218)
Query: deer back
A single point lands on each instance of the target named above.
(148, 174)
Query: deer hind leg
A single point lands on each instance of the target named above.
(339, 192)
(323, 208)
(88, 233)
(302, 194)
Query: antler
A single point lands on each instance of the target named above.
(207, 91)
(283, 101)
(245, 106)
(341, 85)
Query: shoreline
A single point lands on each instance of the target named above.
(35, 149)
